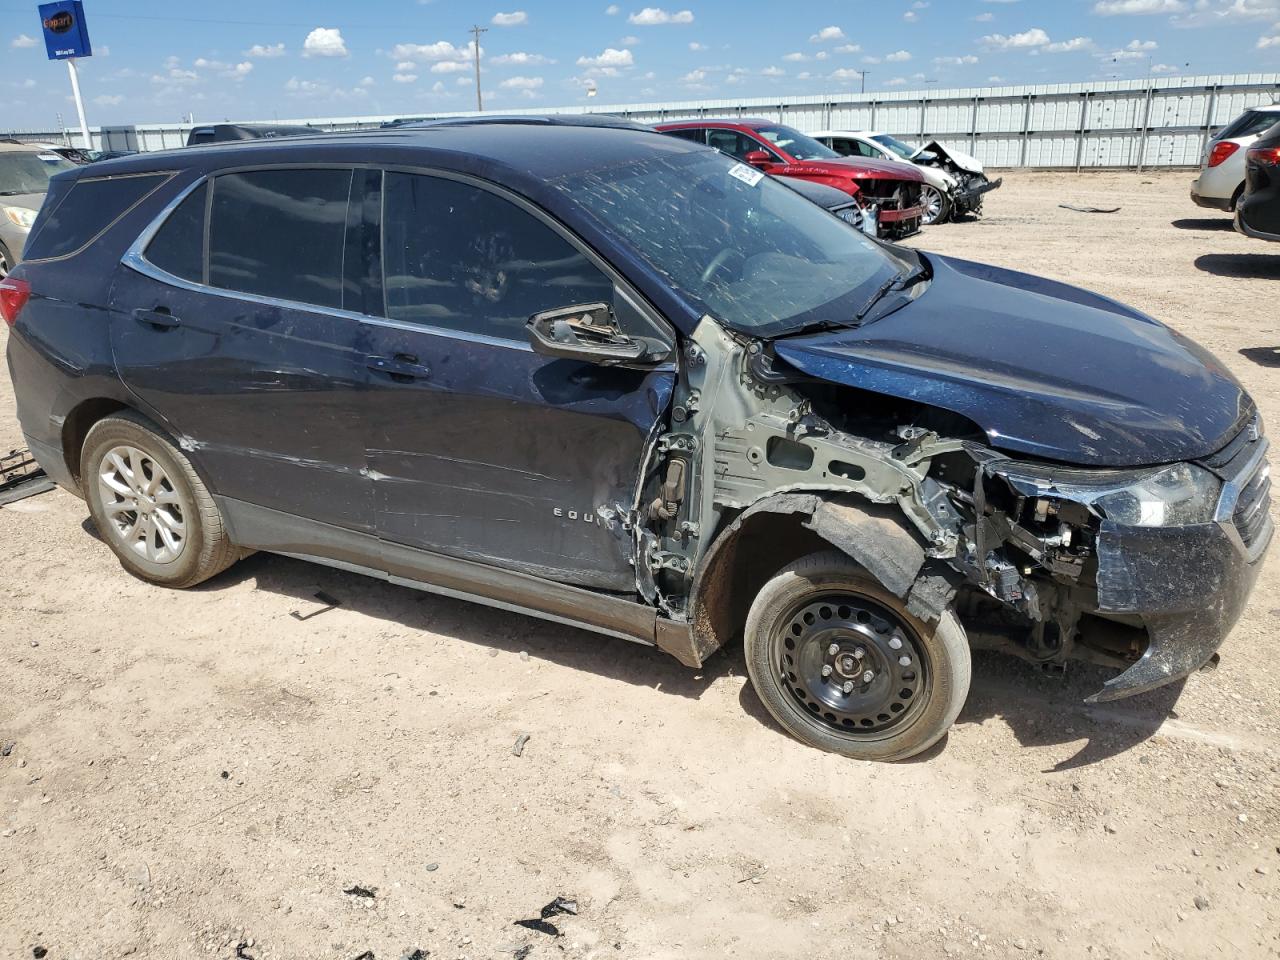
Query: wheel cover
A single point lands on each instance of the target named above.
(144, 511)
(4, 265)
(932, 201)
(851, 664)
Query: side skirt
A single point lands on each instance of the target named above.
(260, 528)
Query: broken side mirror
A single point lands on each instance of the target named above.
(587, 332)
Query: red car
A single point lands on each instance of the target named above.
(780, 150)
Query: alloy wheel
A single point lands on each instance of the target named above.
(144, 510)
(4, 265)
(852, 664)
(932, 201)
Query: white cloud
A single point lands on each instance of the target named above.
(367, 82)
(846, 73)
(1141, 45)
(319, 90)
(896, 82)
(849, 48)
(324, 42)
(773, 72)
(438, 87)
(898, 56)
(871, 61)
(405, 78)
(514, 19)
(239, 71)
(521, 83)
(22, 41)
(827, 35)
(609, 58)
(694, 76)
(1113, 8)
(265, 51)
(1074, 45)
(450, 66)
(108, 100)
(1164, 68)
(911, 16)
(656, 16)
(431, 52)
(1265, 43)
(995, 79)
(1209, 12)
(1035, 37)
(962, 61)
(202, 64)
(612, 10)
(520, 59)
(984, 17)
(695, 46)
(175, 76)
(795, 57)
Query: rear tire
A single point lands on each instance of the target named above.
(6, 261)
(150, 506)
(842, 665)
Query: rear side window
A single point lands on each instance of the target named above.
(88, 208)
(178, 246)
(462, 258)
(280, 234)
(1249, 124)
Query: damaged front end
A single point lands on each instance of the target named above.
(1145, 570)
(971, 181)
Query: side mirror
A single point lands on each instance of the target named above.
(587, 332)
(758, 158)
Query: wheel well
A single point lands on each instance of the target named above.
(740, 567)
(1235, 197)
(78, 424)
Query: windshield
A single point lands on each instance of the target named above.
(796, 143)
(22, 172)
(904, 150)
(737, 243)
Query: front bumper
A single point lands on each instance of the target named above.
(970, 197)
(900, 215)
(1188, 585)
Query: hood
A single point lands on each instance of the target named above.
(962, 160)
(1041, 367)
(856, 168)
(28, 201)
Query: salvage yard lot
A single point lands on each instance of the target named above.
(196, 771)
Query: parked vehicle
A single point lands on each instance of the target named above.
(634, 385)
(888, 192)
(1222, 171)
(1258, 212)
(830, 199)
(955, 183)
(24, 178)
(227, 132)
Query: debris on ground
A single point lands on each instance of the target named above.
(1201, 902)
(327, 599)
(558, 906)
(518, 749)
(6, 747)
(522, 952)
(417, 953)
(432, 867)
(21, 477)
(367, 955)
(359, 891)
(242, 951)
(1071, 206)
(39, 952)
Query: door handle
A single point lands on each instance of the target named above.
(159, 318)
(403, 367)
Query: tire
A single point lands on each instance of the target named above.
(937, 206)
(903, 710)
(6, 261)
(177, 538)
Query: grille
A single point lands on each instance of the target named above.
(1254, 505)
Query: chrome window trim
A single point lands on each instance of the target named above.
(135, 259)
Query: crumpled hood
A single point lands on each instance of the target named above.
(962, 160)
(1043, 368)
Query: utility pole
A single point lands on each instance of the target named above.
(863, 75)
(476, 30)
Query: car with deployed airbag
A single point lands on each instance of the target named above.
(622, 381)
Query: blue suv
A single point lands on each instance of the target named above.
(588, 372)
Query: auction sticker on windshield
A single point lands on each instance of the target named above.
(747, 175)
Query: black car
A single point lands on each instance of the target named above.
(232, 132)
(1258, 211)
(624, 382)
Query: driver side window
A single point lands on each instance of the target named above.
(459, 257)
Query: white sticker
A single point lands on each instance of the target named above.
(746, 174)
(49, 157)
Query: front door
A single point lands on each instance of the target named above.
(478, 447)
(240, 346)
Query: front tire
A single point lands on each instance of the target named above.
(843, 666)
(6, 261)
(150, 505)
(937, 208)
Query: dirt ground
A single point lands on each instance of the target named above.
(196, 771)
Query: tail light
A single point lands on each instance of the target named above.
(1222, 150)
(1268, 156)
(14, 294)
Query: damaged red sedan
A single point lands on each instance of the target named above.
(889, 192)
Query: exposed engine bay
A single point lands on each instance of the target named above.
(1045, 562)
(972, 182)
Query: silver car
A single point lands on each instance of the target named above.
(1221, 180)
(25, 170)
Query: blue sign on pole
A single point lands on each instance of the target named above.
(65, 33)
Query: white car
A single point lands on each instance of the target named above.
(955, 183)
(1221, 180)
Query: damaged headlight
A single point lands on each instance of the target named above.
(1168, 497)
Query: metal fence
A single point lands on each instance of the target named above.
(1162, 122)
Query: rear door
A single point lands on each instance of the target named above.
(480, 448)
(229, 324)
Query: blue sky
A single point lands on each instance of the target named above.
(156, 61)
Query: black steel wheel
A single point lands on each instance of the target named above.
(842, 664)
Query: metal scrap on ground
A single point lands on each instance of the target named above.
(1072, 206)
